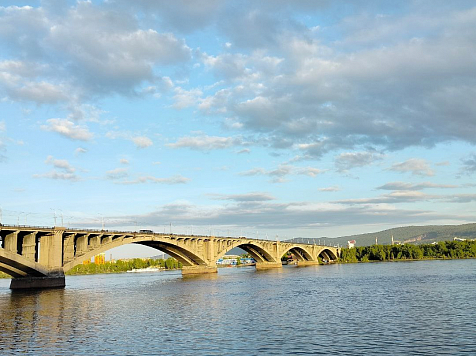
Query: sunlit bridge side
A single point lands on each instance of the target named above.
(38, 257)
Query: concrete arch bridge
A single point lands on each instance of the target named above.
(38, 257)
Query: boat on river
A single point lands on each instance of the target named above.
(148, 269)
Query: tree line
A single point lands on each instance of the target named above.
(440, 250)
(124, 266)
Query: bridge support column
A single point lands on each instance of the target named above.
(268, 265)
(54, 281)
(68, 248)
(51, 251)
(190, 270)
(11, 242)
(29, 246)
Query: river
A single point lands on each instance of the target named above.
(404, 308)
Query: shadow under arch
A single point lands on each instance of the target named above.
(300, 253)
(328, 255)
(258, 253)
(181, 254)
(186, 257)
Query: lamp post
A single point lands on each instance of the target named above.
(62, 223)
(54, 214)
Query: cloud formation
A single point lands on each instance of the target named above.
(249, 197)
(177, 179)
(142, 141)
(417, 186)
(469, 165)
(68, 129)
(279, 174)
(348, 160)
(415, 166)
(63, 170)
(206, 143)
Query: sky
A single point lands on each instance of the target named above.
(272, 119)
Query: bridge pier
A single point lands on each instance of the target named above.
(56, 281)
(307, 263)
(268, 265)
(190, 270)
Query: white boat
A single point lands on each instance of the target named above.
(148, 269)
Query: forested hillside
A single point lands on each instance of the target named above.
(408, 234)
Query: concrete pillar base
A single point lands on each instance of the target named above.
(190, 270)
(307, 263)
(38, 282)
(268, 265)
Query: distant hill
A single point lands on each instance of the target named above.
(408, 234)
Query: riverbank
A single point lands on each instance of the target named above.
(125, 266)
(448, 250)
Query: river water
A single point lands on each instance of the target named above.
(405, 308)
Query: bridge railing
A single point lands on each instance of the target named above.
(31, 227)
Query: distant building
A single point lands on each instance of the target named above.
(100, 259)
(351, 243)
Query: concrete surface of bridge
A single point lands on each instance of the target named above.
(38, 257)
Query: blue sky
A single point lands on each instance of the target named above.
(302, 118)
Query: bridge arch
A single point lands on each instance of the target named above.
(301, 253)
(182, 254)
(17, 266)
(259, 253)
(328, 255)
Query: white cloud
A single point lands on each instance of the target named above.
(39, 92)
(66, 170)
(333, 188)
(58, 176)
(401, 196)
(249, 197)
(417, 186)
(244, 150)
(177, 179)
(414, 166)
(117, 173)
(68, 129)
(349, 160)
(283, 171)
(124, 161)
(205, 142)
(80, 150)
(186, 98)
(60, 163)
(142, 141)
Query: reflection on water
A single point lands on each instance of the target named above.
(419, 308)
